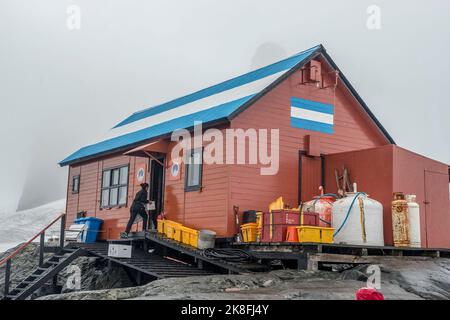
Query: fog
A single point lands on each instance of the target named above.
(62, 88)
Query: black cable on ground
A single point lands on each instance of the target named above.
(234, 255)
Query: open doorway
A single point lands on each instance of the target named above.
(156, 192)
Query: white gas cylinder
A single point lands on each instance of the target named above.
(414, 220)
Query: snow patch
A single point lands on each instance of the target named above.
(21, 226)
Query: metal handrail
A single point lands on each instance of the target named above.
(26, 244)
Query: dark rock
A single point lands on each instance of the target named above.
(21, 265)
(96, 273)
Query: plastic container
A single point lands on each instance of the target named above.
(315, 234)
(160, 224)
(291, 234)
(277, 205)
(92, 230)
(249, 232)
(189, 236)
(360, 225)
(172, 230)
(259, 221)
(275, 224)
(310, 219)
(323, 205)
(206, 239)
(249, 216)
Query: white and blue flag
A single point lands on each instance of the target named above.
(312, 115)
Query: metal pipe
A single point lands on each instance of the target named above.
(41, 249)
(7, 276)
(62, 231)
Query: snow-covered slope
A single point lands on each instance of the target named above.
(21, 226)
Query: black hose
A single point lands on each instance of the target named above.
(234, 255)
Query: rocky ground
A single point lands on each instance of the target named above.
(95, 273)
(401, 278)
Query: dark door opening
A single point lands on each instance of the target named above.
(156, 192)
(310, 176)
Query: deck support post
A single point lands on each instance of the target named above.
(139, 278)
(302, 261)
(62, 231)
(7, 276)
(145, 245)
(41, 249)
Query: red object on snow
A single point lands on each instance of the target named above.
(369, 294)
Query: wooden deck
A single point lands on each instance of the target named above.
(311, 255)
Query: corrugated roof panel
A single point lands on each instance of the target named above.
(195, 106)
(241, 80)
(212, 114)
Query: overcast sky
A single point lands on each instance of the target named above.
(62, 88)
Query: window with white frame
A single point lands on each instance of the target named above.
(114, 187)
(76, 184)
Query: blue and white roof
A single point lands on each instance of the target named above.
(220, 102)
(214, 103)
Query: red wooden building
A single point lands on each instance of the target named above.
(305, 97)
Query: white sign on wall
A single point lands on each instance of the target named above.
(140, 175)
(175, 170)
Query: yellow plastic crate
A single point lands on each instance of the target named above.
(249, 232)
(189, 236)
(259, 216)
(315, 234)
(160, 224)
(172, 230)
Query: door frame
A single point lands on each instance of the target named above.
(301, 154)
(426, 201)
(162, 158)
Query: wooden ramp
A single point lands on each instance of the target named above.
(147, 263)
(168, 246)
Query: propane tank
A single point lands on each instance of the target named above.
(358, 220)
(323, 205)
(400, 221)
(414, 220)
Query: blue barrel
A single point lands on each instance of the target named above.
(92, 228)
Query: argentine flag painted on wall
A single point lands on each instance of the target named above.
(312, 115)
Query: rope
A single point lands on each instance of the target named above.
(234, 255)
(323, 196)
(348, 213)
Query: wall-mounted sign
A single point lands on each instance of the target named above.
(140, 174)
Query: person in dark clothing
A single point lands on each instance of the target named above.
(138, 208)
